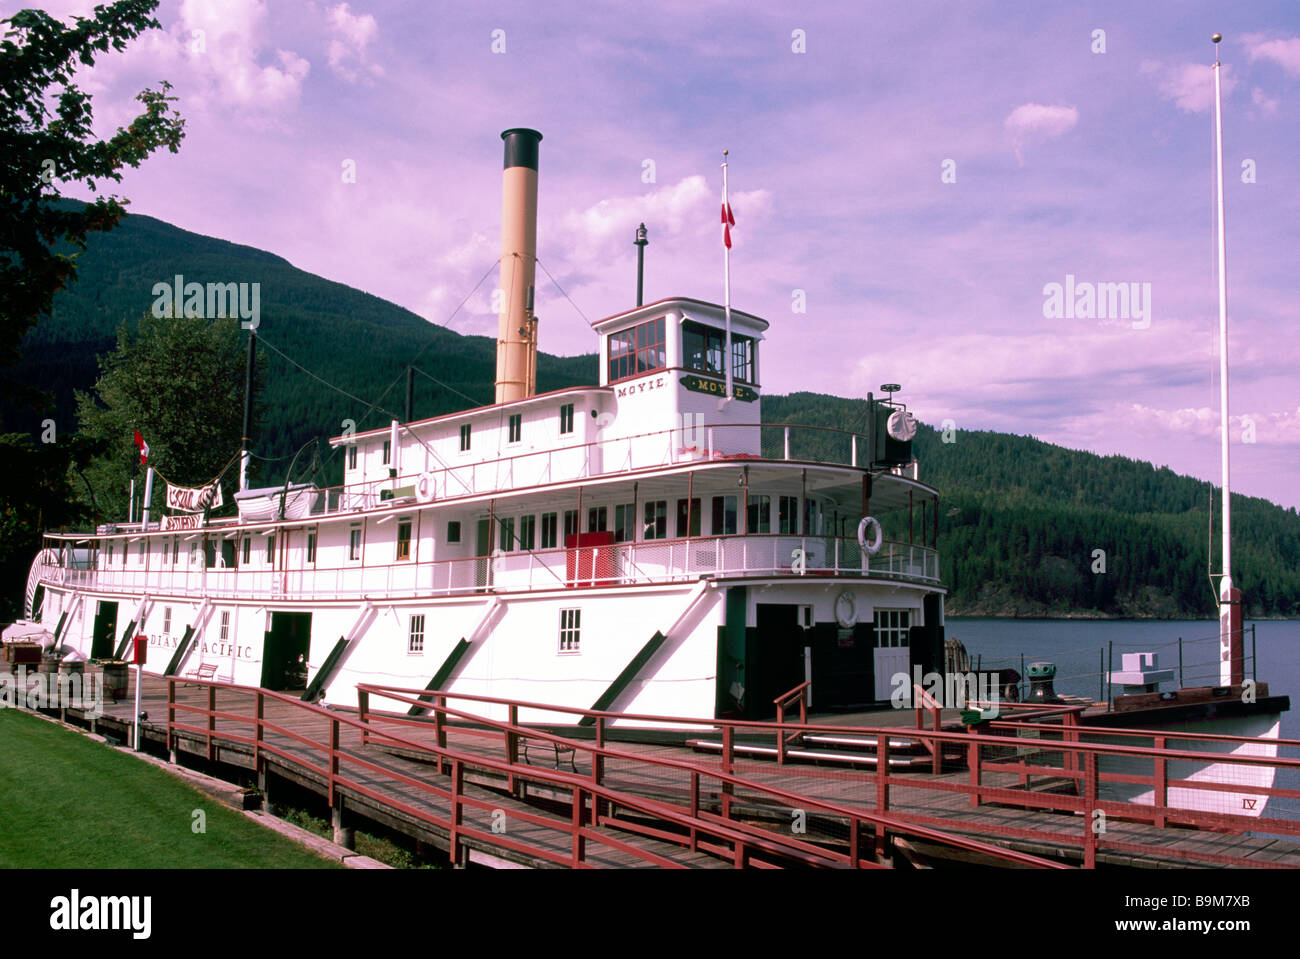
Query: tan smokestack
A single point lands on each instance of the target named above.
(517, 328)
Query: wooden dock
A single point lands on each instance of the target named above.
(502, 794)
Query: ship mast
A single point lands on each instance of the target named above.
(1230, 643)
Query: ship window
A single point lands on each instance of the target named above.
(108, 556)
(813, 517)
(788, 514)
(597, 519)
(516, 427)
(566, 418)
(570, 630)
(352, 456)
(570, 523)
(194, 554)
(227, 554)
(403, 539)
(892, 627)
(354, 543)
(624, 522)
(656, 519)
(388, 452)
(311, 547)
(415, 642)
(142, 546)
(703, 348)
(464, 437)
(693, 510)
(167, 620)
(248, 547)
(270, 549)
(724, 515)
(507, 539)
(637, 350)
(453, 531)
(527, 532)
(225, 625)
(176, 550)
(548, 530)
(759, 515)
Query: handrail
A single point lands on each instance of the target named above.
(1081, 766)
(695, 822)
(781, 702)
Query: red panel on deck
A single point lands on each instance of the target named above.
(590, 555)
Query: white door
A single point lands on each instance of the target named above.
(893, 655)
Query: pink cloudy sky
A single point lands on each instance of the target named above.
(1066, 161)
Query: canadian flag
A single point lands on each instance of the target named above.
(728, 221)
(143, 447)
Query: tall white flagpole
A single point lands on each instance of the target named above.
(1229, 638)
(726, 278)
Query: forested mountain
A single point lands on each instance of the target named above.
(1019, 519)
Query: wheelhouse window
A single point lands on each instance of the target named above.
(566, 418)
(270, 550)
(388, 452)
(507, 539)
(228, 554)
(352, 456)
(354, 543)
(453, 531)
(248, 547)
(570, 630)
(527, 532)
(415, 637)
(759, 514)
(637, 350)
(403, 539)
(516, 427)
(464, 437)
(689, 511)
(598, 519)
(570, 523)
(311, 547)
(703, 348)
(549, 527)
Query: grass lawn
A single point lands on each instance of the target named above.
(69, 802)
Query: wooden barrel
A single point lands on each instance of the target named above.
(115, 681)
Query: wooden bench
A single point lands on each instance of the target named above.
(205, 671)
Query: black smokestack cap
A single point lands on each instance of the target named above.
(521, 147)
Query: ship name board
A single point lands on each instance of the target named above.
(185, 521)
(698, 384)
(193, 499)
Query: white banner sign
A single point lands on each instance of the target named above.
(190, 521)
(193, 500)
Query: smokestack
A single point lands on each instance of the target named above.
(517, 328)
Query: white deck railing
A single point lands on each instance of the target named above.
(649, 562)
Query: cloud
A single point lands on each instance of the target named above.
(351, 35)
(1035, 121)
(1267, 105)
(1189, 85)
(1285, 53)
(1278, 428)
(224, 40)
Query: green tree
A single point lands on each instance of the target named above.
(41, 148)
(180, 382)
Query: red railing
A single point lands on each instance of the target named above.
(783, 701)
(985, 755)
(695, 828)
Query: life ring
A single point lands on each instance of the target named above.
(424, 488)
(846, 610)
(873, 547)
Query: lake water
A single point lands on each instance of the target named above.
(1080, 649)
